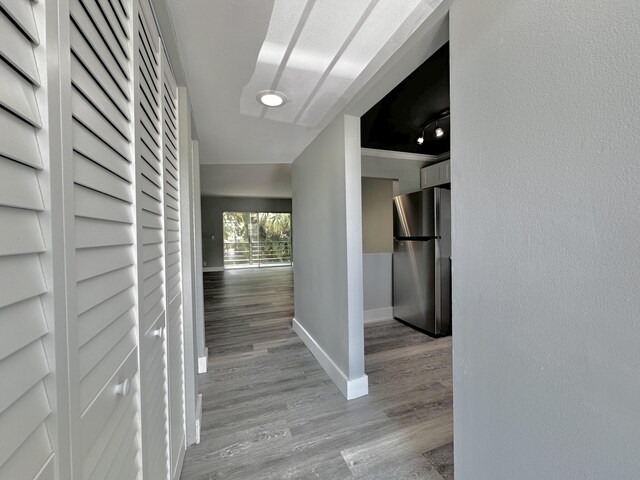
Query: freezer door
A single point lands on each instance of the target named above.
(413, 214)
(414, 283)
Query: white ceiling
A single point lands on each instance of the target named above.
(315, 51)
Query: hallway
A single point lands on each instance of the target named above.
(271, 412)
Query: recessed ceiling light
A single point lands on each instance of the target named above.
(271, 98)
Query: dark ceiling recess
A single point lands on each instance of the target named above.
(396, 121)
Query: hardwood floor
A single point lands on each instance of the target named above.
(271, 412)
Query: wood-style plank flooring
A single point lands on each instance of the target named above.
(271, 412)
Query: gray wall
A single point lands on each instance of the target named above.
(546, 228)
(377, 215)
(407, 172)
(328, 244)
(268, 180)
(212, 209)
(377, 285)
(377, 245)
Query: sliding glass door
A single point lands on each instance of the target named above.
(256, 239)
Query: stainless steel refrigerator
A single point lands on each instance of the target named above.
(422, 260)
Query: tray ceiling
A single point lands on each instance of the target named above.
(315, 52)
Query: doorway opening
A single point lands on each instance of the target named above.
(256, 239)
(406, 194)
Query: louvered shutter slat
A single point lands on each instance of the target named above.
(29, 459)
(90, 88)
(148, 97)
(153, 191)
(103, 50)
(172, 210)
(19, 186)
(97, 124)
(101, 455)
(151, 236)
(92, 352)
(104, 234)
(153, 251)
(90, 146)
(118, 25)
(24, 402)
(24, 236)
(171, 187)
(107, 35)
(93, 204)
(94, 387)
(93, 176)
(124, 456)
(148, 155)
(20, 324)
(173, 253)
(172, 190)
(94, 262)
(93, 321)
(123, 8)
(99, 412)
(172, 268)
(93, 291)
(151, 220)
(98, 233)
(32, 363)
(149, 172)
(151, 233)
(152, 266)
(150, 204)
(85, 55)
(21, 279)
(18, 141)
(148, 139)
(21, 13)
(17, 95)
(17, 50)
(21, 419)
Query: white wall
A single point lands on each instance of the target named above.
(546, 222)
(327, 253)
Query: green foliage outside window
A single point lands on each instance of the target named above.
(257, 238)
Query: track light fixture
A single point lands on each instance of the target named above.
(438, 131)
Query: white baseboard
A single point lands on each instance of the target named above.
(212, 269)
(350, 388)
(177, 472)
(198, 417)
(202, 361)
(378, 315)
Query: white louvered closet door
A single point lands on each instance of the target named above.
(25, 449)
(177, 437)
(101, 104)
(150, 212)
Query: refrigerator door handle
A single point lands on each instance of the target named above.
(417, 239)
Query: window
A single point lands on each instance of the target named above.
(256, 239)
